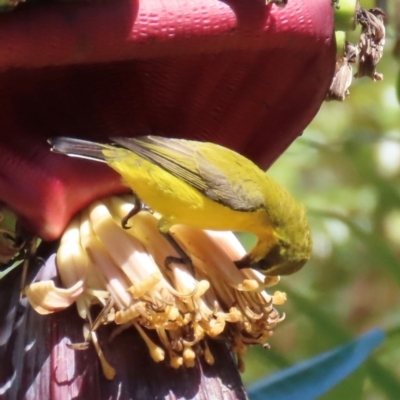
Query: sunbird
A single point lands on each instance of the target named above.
(207, 186)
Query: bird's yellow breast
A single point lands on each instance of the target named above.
(178, 202)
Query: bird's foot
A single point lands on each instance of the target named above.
(183, 257)
(138, 206)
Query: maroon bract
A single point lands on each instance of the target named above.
(242, 74)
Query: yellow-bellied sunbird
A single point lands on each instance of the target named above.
(207, 186)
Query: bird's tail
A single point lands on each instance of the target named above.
(77, 148)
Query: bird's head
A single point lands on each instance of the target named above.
(283, 258)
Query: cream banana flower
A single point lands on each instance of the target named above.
(124, 271)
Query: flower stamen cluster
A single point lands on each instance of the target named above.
(124, 271)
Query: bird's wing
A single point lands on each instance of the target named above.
(221, 174)
(77, 148)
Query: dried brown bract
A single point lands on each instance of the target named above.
(341, 81)
(367, 53)
(372, 41)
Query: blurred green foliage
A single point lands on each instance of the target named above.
(346, 170)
